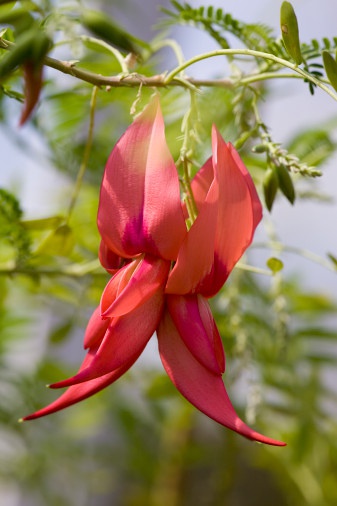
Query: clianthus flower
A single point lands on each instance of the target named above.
(162, 273)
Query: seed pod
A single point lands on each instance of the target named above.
(290, 34)
(330, 66)
(105, 28)
(285, 182)
(270, 187)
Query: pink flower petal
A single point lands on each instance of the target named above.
(193, 319)
(140, 209)
(133, 285)
(239, 213)
(95, 330)
(229, 211)
(196, 254)
(201, 387)
(116, 285)
(201, 182)
(82, 391)
(125, 339)
(256, 204)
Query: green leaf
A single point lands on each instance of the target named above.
(333, 259)
(104, 27)
(60, 242)
(313, 147)
(316, 333)
(31, 46)
(43, 223)
(18, 17)
(290, 33)
(330, 66)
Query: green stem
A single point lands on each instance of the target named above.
(132, 80)
(309, 255)
(185, 153)
(265, 76)
(156, 46)
(73, 270)
(253, 269)
(256, 54)
(119, 57)
(86, 154)
(190, 202)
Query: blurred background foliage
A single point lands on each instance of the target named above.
(138, 443)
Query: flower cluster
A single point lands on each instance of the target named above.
(162, 273)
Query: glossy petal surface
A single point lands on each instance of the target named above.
(201, 387)
(133, 285)
(95, 330)
(193, 319)
(196, 255)
(229, 211)
(124, 340)
(140, 209)
(82, 391)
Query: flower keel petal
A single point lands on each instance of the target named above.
(143, 278)
(193, 319)
(95, 330)
(202, 388)
(125, 339)
(81, 391)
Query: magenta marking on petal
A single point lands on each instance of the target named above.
(140, 194)
(136, 237)
(196, 327)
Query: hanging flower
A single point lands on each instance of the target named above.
(142, 224)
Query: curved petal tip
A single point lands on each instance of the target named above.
(202, 388)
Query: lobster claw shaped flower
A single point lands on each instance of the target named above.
(142, 225)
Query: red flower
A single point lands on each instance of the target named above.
(142, 225)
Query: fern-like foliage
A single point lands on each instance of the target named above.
(254, 36)
(218, 24)
(313, 51)
(314, 48)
